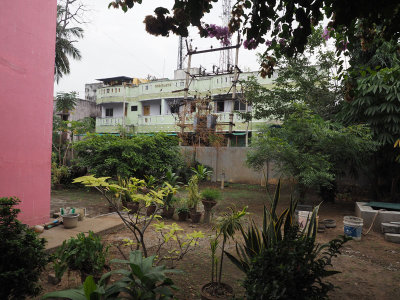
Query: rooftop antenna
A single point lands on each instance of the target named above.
(225, 58)
(181, 53)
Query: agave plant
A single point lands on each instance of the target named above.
(274, 229)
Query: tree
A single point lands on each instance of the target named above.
(310, 78)
(66, 101)
(372, 94)
(288, 22)
(311, 150)
(66, 37)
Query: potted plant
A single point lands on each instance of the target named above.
(226, 227)
(86, 254)
(183, 213)
(172, 180)
(194, 199)
(168, 207)
(151, 209)
(209, 199)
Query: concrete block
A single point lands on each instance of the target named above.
(390, 228)
(367, 213)
(392, 237)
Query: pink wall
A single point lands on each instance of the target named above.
(27, 40)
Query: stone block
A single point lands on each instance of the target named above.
(390, 228)
(392, 237)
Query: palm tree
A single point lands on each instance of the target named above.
(64, 44)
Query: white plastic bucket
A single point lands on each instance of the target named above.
(353, 227)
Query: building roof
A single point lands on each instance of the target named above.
(114, 79)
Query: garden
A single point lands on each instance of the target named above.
(246, 244)
(334, 140)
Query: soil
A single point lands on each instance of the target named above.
(370, 268)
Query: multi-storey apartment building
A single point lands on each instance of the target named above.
(150, 106)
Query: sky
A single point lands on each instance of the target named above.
(116, 44)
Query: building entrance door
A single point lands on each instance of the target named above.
(146, 110)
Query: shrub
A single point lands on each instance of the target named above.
(290, 268)
(22, 256)
(85, 254)
(281, 262)
(211, 194)
(137, 156)
(193, 192)
(141, 281)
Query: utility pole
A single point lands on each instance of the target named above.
(235, 80)
(123, 110)
(186, 92)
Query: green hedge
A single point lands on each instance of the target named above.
(137, 156)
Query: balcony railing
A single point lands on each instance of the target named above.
(108, 121)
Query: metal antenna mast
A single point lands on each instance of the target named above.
(181, 53)
(225, 60)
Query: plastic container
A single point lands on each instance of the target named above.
(70, 220)
(353, 227)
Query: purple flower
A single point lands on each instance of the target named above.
(282, 42)
(325, 35)
(268, 43)
(344, 45)
(220, 33)
(252, 44)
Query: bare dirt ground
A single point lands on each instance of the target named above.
(370, 268)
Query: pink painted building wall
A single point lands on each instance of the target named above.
(27, 41)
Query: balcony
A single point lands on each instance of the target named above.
(108, 121)
(157, 120)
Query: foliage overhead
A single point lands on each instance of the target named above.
(283, 26)
(136, 156)
(23, 256)
(372, 90)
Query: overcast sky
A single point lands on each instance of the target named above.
(116, 43)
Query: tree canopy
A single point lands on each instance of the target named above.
(283, 25)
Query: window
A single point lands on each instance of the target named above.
(226, 79)
(182, 83)
(108, 90)
(134, 108)
(109, 112)
(239, 105)
(220, 106)
(119, 89)
(147, 87)
(217, 81)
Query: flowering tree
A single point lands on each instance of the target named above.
(288, 22)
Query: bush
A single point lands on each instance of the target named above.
(84, 254)
(137, 156)
(211, 194)
(141, 280)
(22, 256)
(291, 268)
(282, 262)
